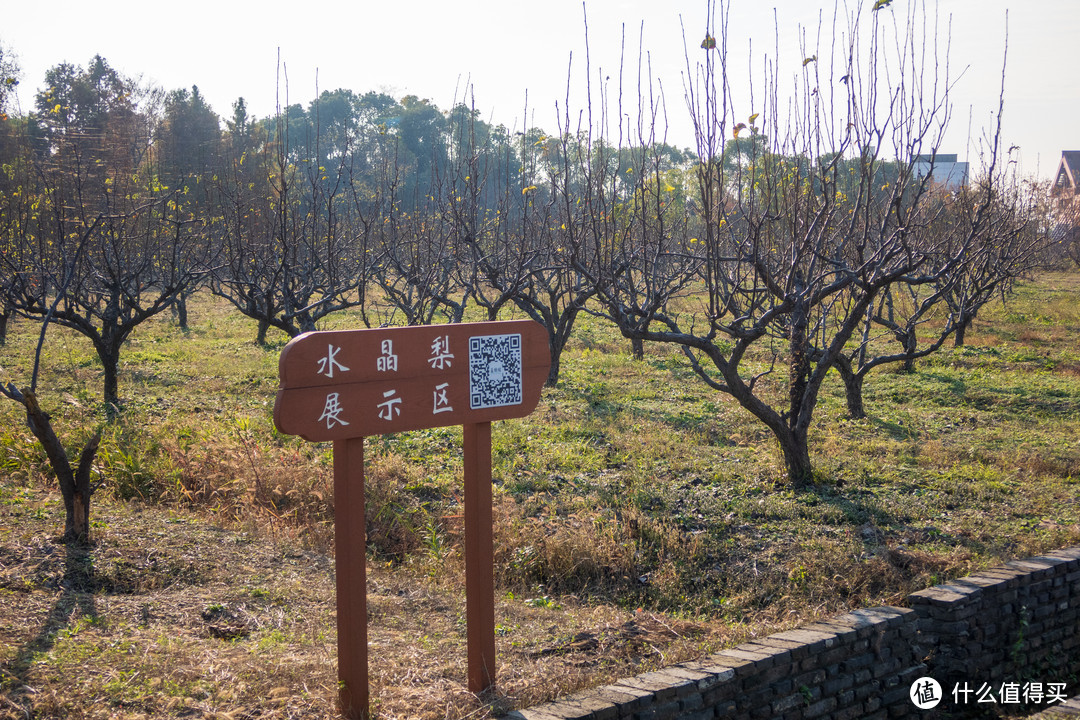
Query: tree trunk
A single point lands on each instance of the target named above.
(559, 329)
(112, 389)
(260, 336)
(961, 329)
(796, 449)
(305, 322)
(5, 316)
(911, 344)
(637, 347)
(180, 309)
(799, 368)
(853, 388)
(788, 431)
(110, 363)
(75, 485)
(556, 354)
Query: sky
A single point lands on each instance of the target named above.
(516, 62)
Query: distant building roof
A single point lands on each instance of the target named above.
(943, 169)
(939, 158)
(1067, 179)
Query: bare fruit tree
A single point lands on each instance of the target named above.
(549, 286)
(987, 236)
(95, 188)
(791, 233)
(74, 482)
(95, 242)
(516, 210)
(416, 259)
(286, 222)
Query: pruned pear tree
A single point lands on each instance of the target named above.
(549, 287)
(514, 205)
(786, 247)
(93, 242)
(987, 235)
(416, 251)
(96, 188)
(286, 220)
(1012, 244)
(74, 481)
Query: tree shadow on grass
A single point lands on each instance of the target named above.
(895, 429)
(76, 600)
(955, 386)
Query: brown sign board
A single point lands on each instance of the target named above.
(358, 383)
(348, 385)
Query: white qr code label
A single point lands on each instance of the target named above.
(494, 371)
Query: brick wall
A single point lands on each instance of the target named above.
(1009, 624)
(850, 666)
(1015, 623)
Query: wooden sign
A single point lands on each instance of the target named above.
(359, 383)
(346, 385)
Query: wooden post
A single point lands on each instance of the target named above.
(344, 385)
(479, 557)
(350, 563)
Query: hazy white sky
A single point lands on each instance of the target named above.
(433, 49)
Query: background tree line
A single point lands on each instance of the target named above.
(793, 240)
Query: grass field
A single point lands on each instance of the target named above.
(641, 519)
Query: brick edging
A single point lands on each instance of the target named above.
(1019, 617)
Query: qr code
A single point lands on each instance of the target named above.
(494, 371)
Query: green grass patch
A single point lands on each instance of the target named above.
(633, 488)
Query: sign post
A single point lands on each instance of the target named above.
(343, 386)
(350, 567)
(479, 557)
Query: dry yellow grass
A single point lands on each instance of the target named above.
(169, 614)
(639, 521)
